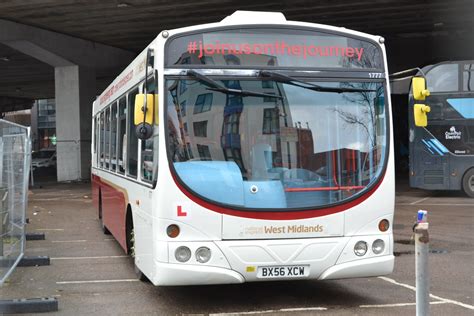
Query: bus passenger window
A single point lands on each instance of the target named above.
(132, 141)
(150, 148)
(149, 156)
(122, 130)
(113, 137)
(443, 78)
(96, 140)
(107, 139)
(102, 126)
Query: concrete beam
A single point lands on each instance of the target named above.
(46, 56)
(60, 50)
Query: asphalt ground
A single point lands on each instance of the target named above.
(90, 275)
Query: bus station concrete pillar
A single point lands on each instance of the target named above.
(74, 92)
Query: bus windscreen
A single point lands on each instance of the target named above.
(297, 148)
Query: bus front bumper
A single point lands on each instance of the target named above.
(171, 274)
(370, 267)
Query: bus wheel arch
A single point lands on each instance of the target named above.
(105, 230)
(468, 182)
(130, 241)
(129, 230)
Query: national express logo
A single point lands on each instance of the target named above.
(452, 134)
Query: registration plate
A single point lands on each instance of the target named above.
(282, 272)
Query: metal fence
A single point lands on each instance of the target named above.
(15, 157)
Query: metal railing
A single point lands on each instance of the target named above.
(15, 157)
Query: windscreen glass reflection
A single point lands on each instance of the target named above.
(299, 149)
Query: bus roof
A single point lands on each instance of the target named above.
(135, 72)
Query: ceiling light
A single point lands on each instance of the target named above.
(123, 5)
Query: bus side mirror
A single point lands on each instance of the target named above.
(140, 116)
(420, 93)
(421, 118)
(144, 121)
(419, 88)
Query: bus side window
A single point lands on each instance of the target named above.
(107, 139)
(96, 140)
(101, 141)
(132, 140)
(150, 147)
(122, 132)
(440, 80)
(113, 137)
(443, 78)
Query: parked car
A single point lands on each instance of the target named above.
(43, 158)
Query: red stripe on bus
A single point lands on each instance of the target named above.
(357, 187)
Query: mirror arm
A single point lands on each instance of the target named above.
(145, 86)
(143, 131)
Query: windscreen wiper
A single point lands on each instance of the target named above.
(306, 85)
(215, 86)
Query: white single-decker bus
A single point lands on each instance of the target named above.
(251, 149)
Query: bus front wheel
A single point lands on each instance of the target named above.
(468, 183)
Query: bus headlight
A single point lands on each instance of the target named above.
(360, 248)
(182, 254)
(203, 254)
(378, 246)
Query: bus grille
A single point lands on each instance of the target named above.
(433, 177)
(434, 173)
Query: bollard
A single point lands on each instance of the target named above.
(421, 258)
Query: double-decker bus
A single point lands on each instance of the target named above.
(251, 149)
(442, 153)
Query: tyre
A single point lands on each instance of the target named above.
(468, 183)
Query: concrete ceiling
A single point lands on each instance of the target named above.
(132, 24)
